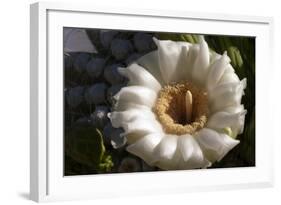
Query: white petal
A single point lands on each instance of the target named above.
(214, 57)
(144, 147)
(229, 76)
(233, 109)
(135, 95)
(191, 57)
(165, 152)
(217, 70)
(167, 147)
(201, 64)
(222, 120)
(151, 64)
(215, 145)
(226, 95)
(225, 88)
(170, 57)
(139, 127)
(171, 164)
(142, 126)
(118, 119)
(192, 154)
(126, 105)
(140, 76)
(183, 67)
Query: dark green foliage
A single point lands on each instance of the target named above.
(84, 144)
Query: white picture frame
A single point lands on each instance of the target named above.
(47, 182)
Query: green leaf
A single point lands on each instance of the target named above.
(85, 145)
(106, 164)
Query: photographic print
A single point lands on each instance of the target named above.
(137, 101)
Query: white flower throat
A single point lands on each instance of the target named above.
(181, 108)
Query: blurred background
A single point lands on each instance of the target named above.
(91, 59)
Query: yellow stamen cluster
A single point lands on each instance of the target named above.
(170, 108)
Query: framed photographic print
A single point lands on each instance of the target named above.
(149, 101)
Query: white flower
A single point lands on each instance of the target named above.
(182, 106)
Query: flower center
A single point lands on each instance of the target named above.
(181, 108)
